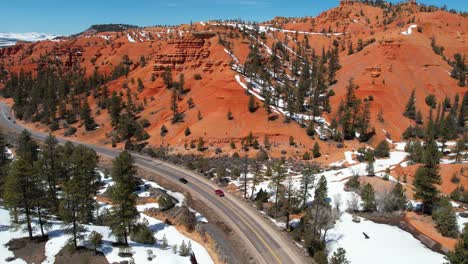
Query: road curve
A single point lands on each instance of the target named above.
(266, 243)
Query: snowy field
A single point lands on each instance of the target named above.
(57, 238)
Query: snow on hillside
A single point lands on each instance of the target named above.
(409, 31)
(10, 39)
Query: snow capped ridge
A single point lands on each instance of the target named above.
(9, 39)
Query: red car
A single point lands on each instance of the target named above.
(220, 193)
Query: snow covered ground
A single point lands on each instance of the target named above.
(386, 245)
(10, 39)
(57, 238)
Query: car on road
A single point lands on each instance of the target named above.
(183, 180)
(220, 193)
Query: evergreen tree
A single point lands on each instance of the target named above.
(176, 116)
(460, 254)
(124, 212)
(19, 193)
(187, 132)
(279, 174)
(167, 78)
(399, 196)
(410, 110)
(310, 129)
(77, 203)
(85, 115)
(382, 150)
(316, 150)
(27, 148)
(427, 177)
(370, 168)
(339, 257)
(445, 218)
(321, 191)
(140, 85)
(4, 159)
(252, 105)
(115, 107)
(95, 239)
(368, 198)
(307, 184)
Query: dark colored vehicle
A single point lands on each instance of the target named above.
(220, 193)
(183, 180)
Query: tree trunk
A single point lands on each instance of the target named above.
(41, 222)
(125, 237)
(28, 213)
(74, 234)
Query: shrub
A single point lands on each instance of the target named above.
(197, 76)
(165, 202)
(70, 131)
(141, 233)
(382, 150)
(163, 130)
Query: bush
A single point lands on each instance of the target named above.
(197, 76)
(353, 182)
(163, 130)
(445, 218)
(141, 233)
(382, 150)
(187, 218)
(165, 202)
(70, 131)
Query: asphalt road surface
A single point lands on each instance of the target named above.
(264, 241)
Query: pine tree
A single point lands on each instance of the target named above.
(310, 129)
(252, 105)
(115, 107)
(95, 239)
(410, 110)
(279, 174)
(4, 159)
(27, 148)
(370, 168)
(307, 184)
(19, 192)
(463, 114)
(187, 132)
(124, 212)
(77, 203)
(460, 254)
(445, 218)
(339, 257)
(140, 85)
(229, 115)
(316, 150)
(176, 117)
(167, 77)
(321, 191)
(427, 177)
(50, 167)
(85, 115)
(201, 144)
(382, 150)
(368, 198)
(164, 243)
(399, 196)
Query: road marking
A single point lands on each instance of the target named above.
(259, 236)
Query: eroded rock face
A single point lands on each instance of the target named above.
(189, 49)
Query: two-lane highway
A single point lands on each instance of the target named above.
(264, 241)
